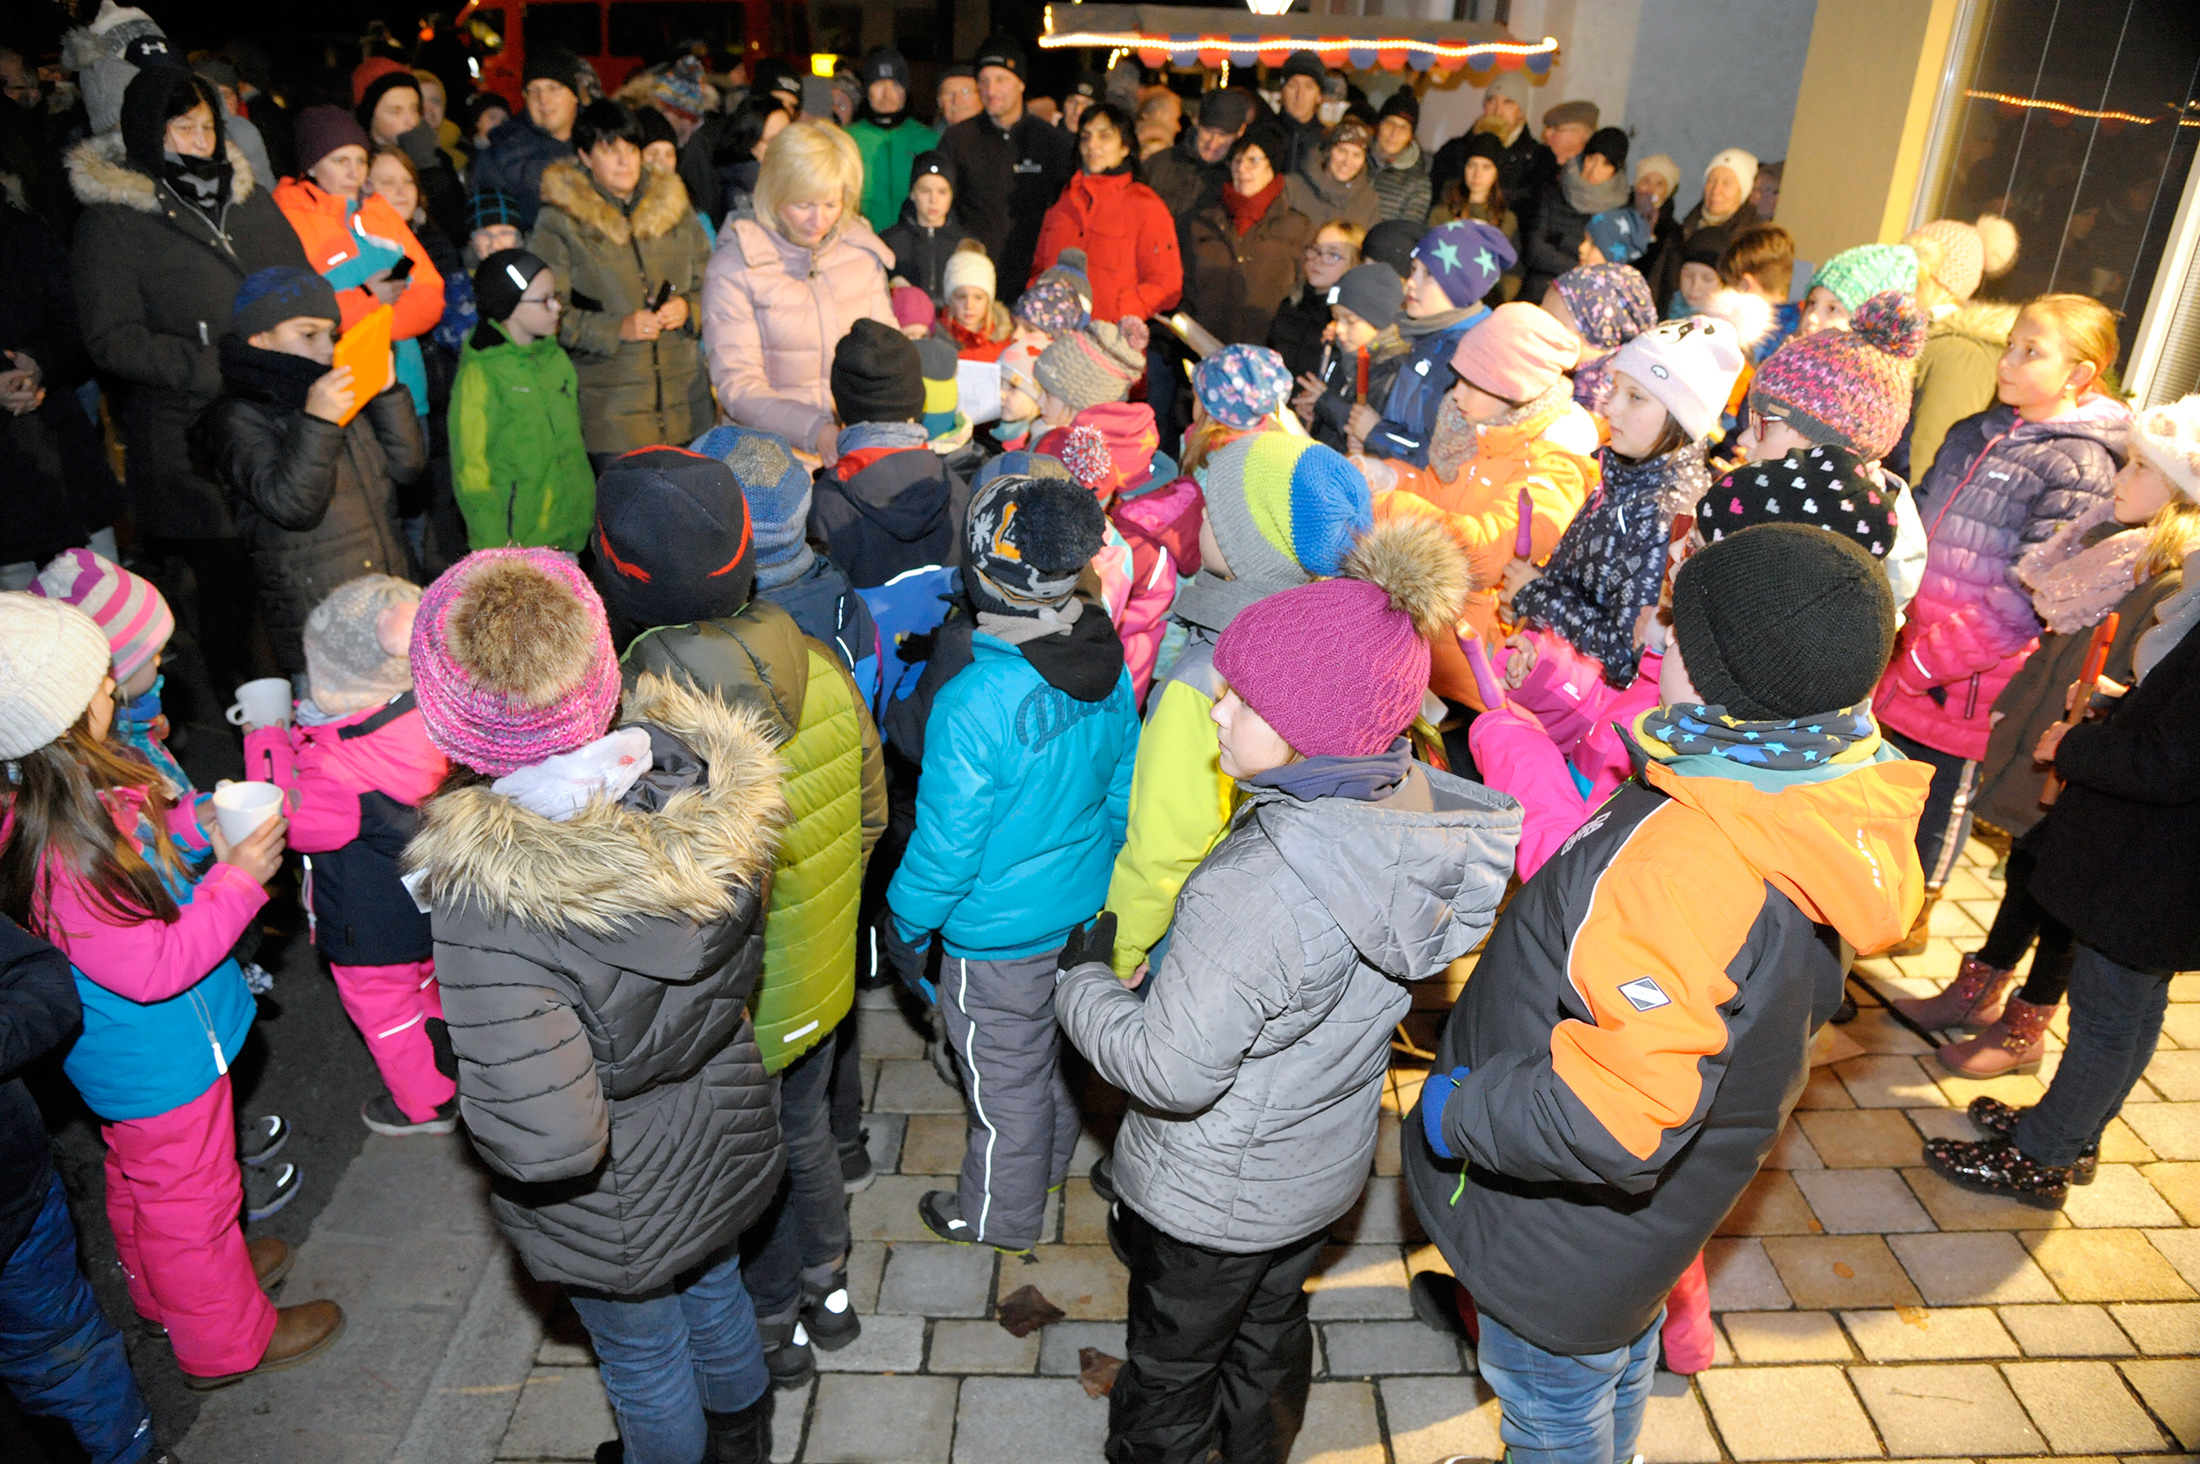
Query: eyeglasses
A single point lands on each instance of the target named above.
(547, 302)
(1329, 253)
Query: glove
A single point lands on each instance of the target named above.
(1086, 945)
(1435, 1093)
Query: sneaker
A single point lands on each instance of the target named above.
(1998, 1167)
(302, 1332)
(262, 1138)
(856, 1169)
(829, 1314)
(381, 1114)
(1996, 1119)
(268, 1189)
(1103, 1177)
(941, 1212)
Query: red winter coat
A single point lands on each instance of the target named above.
(1129, 242)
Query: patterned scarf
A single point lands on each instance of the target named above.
(1782, 745)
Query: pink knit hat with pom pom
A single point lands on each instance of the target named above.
(1960, 255)
(1848, 387)
(2168, 437)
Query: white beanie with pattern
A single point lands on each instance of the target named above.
(52, 659)
(2168, 437)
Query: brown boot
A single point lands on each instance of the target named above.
(2014, 1044)
(1973, 999)
(271, 1260)
(1913, 944)
(303, 1331)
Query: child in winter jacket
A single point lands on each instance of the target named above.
(1454, 266)
(929, 229)
(889, 504)
(519, 468)
(2004, 480)
(1084, 368)
(312, 472)
(970, 316)
(89, 860)
(137, 622)
(1362, 357)
(1638, 1028)
(1256, 1064)
(355, 770)
(1607, 305)
(597, 898)
(1020, 809)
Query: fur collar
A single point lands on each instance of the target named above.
(99, 173)
(609, 864)
(567, 185)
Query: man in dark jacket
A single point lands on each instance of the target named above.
(1594, 182)
(1011, 166)
(521, 147)
(1190, 174)
(1520, 157)
(1300, 117)
(159, 253)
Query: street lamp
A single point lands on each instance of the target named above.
(1268, 7)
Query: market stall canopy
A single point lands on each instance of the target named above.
(1166, 35)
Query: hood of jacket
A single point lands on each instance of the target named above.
(755, 658)
(1594, 198)
(1988, 322)
(1332, 193)
(100, 172)
(1842, 848)
(2098, 417)
(691, 860)
(661, 205)
(905, 493)
(1413, 891)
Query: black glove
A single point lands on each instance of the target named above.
(1086, 945)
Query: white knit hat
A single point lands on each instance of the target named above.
(1741, 164)
(968, 269)
(1689, 366)
(2168, 437)
(52, 658)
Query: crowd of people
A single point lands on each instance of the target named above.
(1154, 582)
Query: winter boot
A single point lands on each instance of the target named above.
(1996, 1119)
(740, 1438)
(2013, 1044)
(828, 1315)
(1688, 1336)
(856, 1169)
(787, 1354)
(1973, 999)
(1914, 943)
(1998, 1167)
(301, 1332)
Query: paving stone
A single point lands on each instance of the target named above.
(911, 1086)
(2185, 987)
(1788, 1413)
(1086, 1281)
(1084, 1214)
(1742, 1277)
(1889, 1082)
(562, 1414)
(1437, 1418)
(1939, 1123)
(1863, 1201)
(2181, 1025)
(790, 1413)
(1960, 1268)
(1365, 1349)
(882, 1420)
(866, 1265)
(1953, 1208)
(2105, 1265)
(2172, 1390)
(2082, 1407)
(888, 1032)
(1359, 1283)
(888, 1344)
(1926, 1334)
(2166, 1329)
(934, 1144)
(1793, 1150)
(1674, 1429)
(1876, 1031)
(888, 1209)
(1029, 1421)
(2067, 1330)
(1840, 1272)
(2181, 1248)
(980, 1347)
(2120, 1144)
(1387, 1130)
(1771, 1205)
(2119, 1195)
(1060, 1344)
(1341, 1426)
(2176, 1076)
(937, 1280)
(1382, 1216)
(1861, 1138)
(1812, 1336)
(2179, 1183)
(2171, 1130)
(2018, 1090)
(882, 1136)
(1931, 1411)
(1824, 1090)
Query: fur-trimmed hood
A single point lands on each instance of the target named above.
(567, 186)
(609, 863)
(100, 172)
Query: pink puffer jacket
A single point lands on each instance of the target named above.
(773, 315)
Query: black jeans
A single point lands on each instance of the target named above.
(2016, 923)
(222, 603)
(2115, 1022)
(1221, 1353)
(1945, 824)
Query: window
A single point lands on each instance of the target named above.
(655, 29)
(577, 25)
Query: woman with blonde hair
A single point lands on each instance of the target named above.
(786, 285)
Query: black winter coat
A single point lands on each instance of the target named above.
(39, 1011)
(2119, 857)
(316, 504)
(1233, 283)
(1009, 180)
(920, 254)
(1296, 332)
(154, 282)
(518, 152)
(1523, 169)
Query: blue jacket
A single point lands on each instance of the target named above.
(1020, 808)
(1409, 417)
(518, 152)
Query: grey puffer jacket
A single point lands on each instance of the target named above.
(1255, 1065)
(595, 978)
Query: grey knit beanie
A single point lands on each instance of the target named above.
(358, 644)
(1092, 366)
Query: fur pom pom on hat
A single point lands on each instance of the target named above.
(1028, 539)
(512, 660)
(1848, 387)
(358, 644)
(1337, 668)
(2168, 437)
(1959, 255)
(52, 659)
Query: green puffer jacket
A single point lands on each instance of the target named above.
(835, 786)
(518, 466)
(610, 262)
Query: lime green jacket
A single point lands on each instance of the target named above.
(518, 468)
(835, 785)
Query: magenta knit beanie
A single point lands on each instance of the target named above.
(512, 660)
(1337, 667)
(1517, 354)
(1850, 388)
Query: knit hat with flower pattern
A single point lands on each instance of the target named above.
(1239, 385)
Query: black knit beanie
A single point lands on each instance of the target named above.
(554, 63)
(501, 279)
(1783, 620)
(877, 375)
(673, 542)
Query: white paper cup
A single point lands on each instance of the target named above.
(240, 809)
(261, 703)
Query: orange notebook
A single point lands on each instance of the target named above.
(365, 348)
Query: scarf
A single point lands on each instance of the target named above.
(1363, 779)
(1412, 327)
(197, 181)
(867, 442)
(1781, 745)
(142, 727)
(1245, 212)
(278, 376)
(2173, 618)
(2080, 573)
(1590, 199)
(1455, 441)
(970, 340)
(1017, 629)
(1212, 602)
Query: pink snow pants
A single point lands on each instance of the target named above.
(391, 1005)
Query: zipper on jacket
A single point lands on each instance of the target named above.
(213, 1039)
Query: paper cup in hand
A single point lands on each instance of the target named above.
(240, 809)
(262, 703)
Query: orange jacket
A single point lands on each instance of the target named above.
(319, 219)
(1552, 455)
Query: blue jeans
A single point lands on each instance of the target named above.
(59, 1355)
(669, 1356)
(1567, 1410)
(2115, 1021)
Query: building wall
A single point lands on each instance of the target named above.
(1714, 74)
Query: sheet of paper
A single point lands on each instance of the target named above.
(978, 387)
